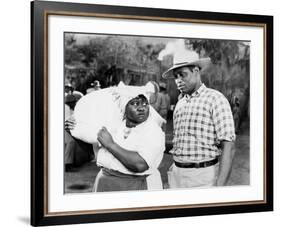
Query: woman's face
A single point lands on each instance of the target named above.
(137, 110)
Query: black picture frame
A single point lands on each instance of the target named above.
(40, 11)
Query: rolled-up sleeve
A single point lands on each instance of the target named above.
(223, 119)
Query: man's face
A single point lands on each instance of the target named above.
(137, 110)
(186, 79)
(68, 90)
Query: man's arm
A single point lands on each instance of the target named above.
(228, 152)
(130, 159)
(225, 131)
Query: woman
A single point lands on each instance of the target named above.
(129, 158)
(133, 154)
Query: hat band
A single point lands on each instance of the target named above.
(181, 63)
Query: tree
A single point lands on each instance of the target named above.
(230, 71)
(89, 52)
(148, 53)
(105, 54)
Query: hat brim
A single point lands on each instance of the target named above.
(201, 63)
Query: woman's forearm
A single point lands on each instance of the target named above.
(130, 159)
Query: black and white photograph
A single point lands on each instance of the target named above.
(142, 113)
(155, 113)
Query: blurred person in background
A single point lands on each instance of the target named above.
(76, 152)
(153, 99)
(235, 106)
(94, 86)
(164, 100)
(70, 102)
(68, 89)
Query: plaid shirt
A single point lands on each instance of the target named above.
(201, 122)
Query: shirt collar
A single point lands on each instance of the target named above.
(197, 92)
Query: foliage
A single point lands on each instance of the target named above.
(230, 70)
(105, 54)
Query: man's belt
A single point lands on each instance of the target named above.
(197, 164)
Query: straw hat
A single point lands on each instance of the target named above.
(190, 58)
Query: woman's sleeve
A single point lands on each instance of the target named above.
(152, 146)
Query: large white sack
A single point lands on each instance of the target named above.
(105, 108)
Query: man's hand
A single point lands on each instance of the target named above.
(70, 123)
(105, 138)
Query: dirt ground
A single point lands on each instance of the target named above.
(82, 179)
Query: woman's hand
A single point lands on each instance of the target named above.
(130, 159)
(105, 138)
(70, 123)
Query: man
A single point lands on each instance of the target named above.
(128, 157)
(68, 89)
(165, 101)
(203, 129)
(162, 104)
(235, 106)
(94, 86)
(76, 152)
